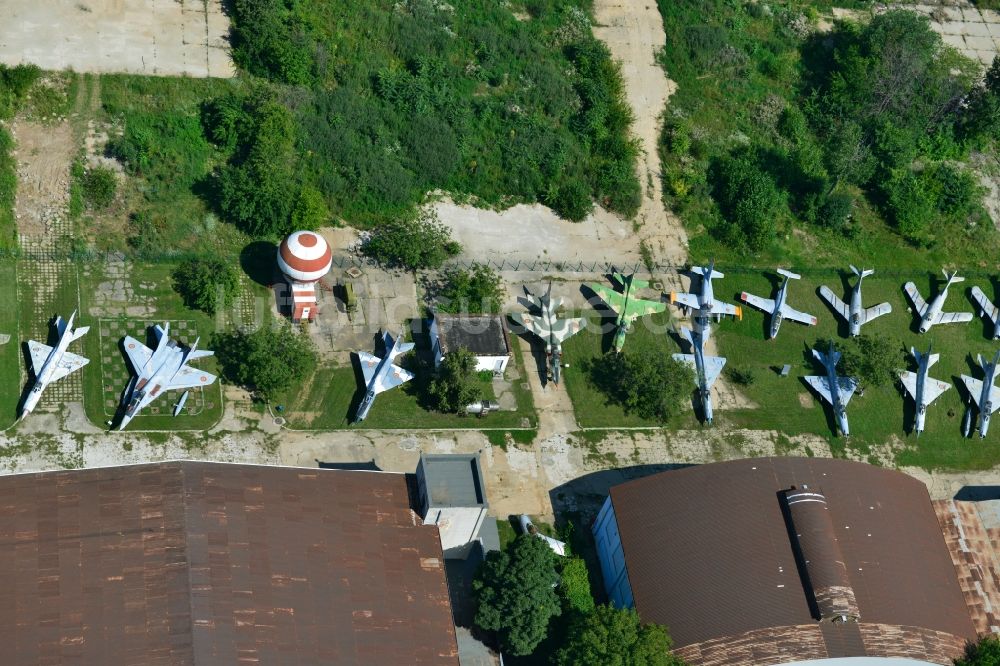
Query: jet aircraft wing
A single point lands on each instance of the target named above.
(686, 299)
(765, 304)
(875, 311)
(847, 386)
(973, 386)
(68, 363)
(952, 317)
(713, 366)
(138, 354)
(566, 328)
(718, 307)
(933, 388)
(368, 364)
(840, 306)
(685, 358)
(636, 307)
(791, 313)
(918, 301)
(614, 299)
(188, 377)
(530, 322)
(909, 381)
(821, 385)
(392, 379)
(985, 305)
(39, 354)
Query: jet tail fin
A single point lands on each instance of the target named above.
(863, 273)
(200, 353)
(954, 277)
(78, 333)
(788, 274)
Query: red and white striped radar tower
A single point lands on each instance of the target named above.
(304, 257)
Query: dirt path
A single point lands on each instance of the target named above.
(633, 31)
(43, 154)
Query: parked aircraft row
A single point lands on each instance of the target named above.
(154, 371)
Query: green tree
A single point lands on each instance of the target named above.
(411, 243)
(477, 290)
(615, 637)
(206, 284)
(984, 652)
(574, 586)
(310, 211)
(456, 383)
(871, 359)
(515, 594)
(266, 361)
(911, 207)
(748, 198)
(648, 382)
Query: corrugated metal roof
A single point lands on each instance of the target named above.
(205, 563)
(708, 553)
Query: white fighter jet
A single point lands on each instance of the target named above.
(704, 302)
(931, 314)
(49, 364)
(855, 314)
(778, 308)
(155, 371)
(987, 309)
(923, 388)
(382, 374)
(984, 394)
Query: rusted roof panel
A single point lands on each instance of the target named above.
(708, 553)
(206, 563)
(973, 552)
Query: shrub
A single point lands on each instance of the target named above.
(19, 79)
(745, 377)
(647, 383)
(411, 243)
(574, 586)
(748, 198)
(477, 290)
(99, 186)
(910, 207)
(836, 210)
(206, 284)
(310, 211)
(266, 361)
(456, 384)
(571, 200)
(610, 635)
(134, 148)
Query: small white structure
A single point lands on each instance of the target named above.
(304, 257)
(485, 336)
(451, 496)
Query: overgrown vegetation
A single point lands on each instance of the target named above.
(609, 636)
(456, 383)
(98, 186)
(15, 82)
(206, 284)
(984, 652)
(515, 594)
(395, 99)
(874, 360)
(644, 382)
(411, 243)
(859, 133)
(478, 290)
(266, 361)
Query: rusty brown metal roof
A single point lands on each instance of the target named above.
(209, 563)
(973, 546)
(708, 554)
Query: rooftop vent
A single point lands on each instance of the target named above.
(821, 564)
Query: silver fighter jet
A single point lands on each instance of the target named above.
(931, 314)
(987, 309)
(552, 330)
(156, 371)
(49, 364)
(778, 308)
(706, 368)
(834, 389)
(923, 388)
(983, 393)
(855, 314)
(382, 374)
(704, 303)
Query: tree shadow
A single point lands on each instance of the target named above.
(259, 261)
(609, 318)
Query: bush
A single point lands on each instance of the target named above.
(99, 185)
(574, 586)
(134, 148)
(742, 377)
(18, 79)
(836, 211)
(413, 244)
(648, 383)
(748, 198)
(615, 636)
(310, 211)
(206, 284)
(911, 207)
(515, 594)
(266, 361)
(479, 290)
(456, 384)
(571, 200)
(984, 652)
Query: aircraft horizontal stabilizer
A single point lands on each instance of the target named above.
(78, 333)
(788, 274)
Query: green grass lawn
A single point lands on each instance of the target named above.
(108, 372)
(328, 399)
(11, 385)
(788, 405)
(590, 405)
